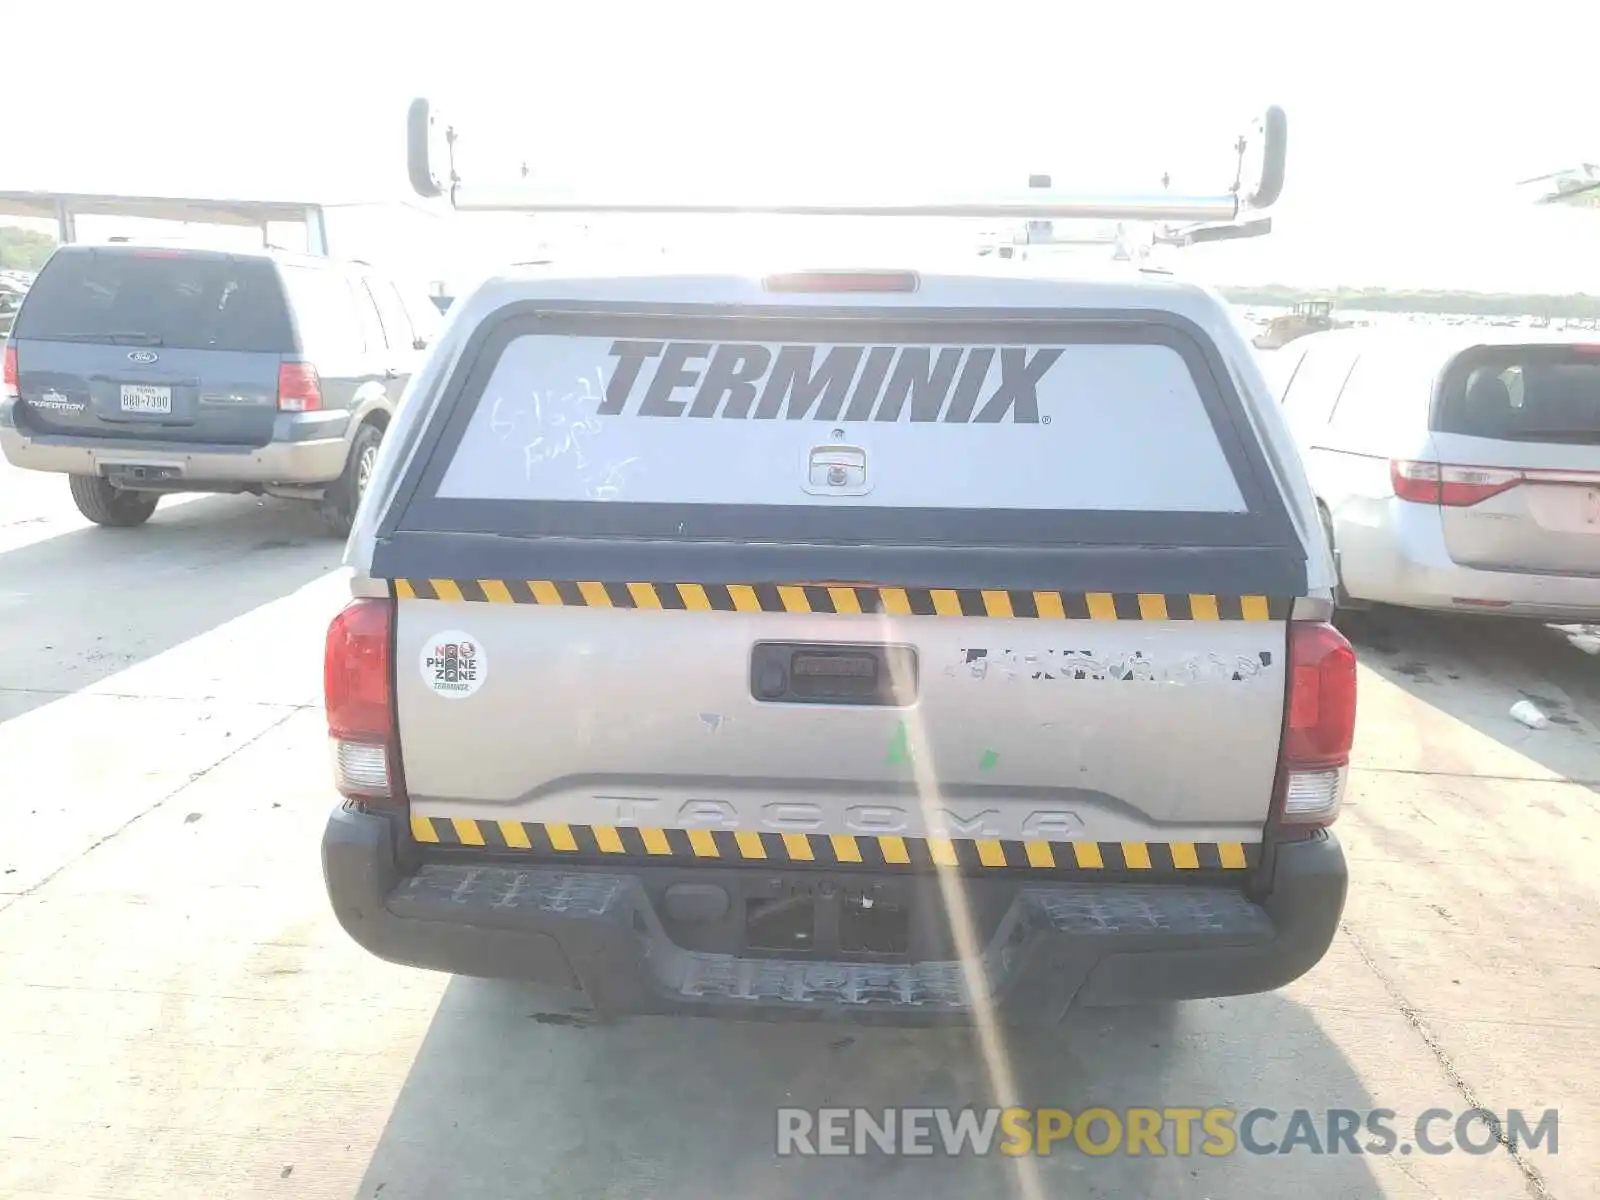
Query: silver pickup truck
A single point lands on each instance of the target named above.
(889, 644)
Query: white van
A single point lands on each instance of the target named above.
(1456, 468)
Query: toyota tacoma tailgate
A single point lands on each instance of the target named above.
(773, 627)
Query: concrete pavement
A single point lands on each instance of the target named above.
(181, 1017)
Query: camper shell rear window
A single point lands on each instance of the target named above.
(856, 429)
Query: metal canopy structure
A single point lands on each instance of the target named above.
(65, 207)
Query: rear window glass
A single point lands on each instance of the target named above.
(1523, 394)
(706, 422)
(158, 298)
(397, 330)
(325, 312)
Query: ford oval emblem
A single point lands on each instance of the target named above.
(143, 356)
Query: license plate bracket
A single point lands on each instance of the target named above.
(146, 399)
(136, 474)
(784, 925)
(827, 918)
(873, 925)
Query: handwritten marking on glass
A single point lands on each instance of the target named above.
(559, 430)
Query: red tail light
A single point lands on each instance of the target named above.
(1322, 696)
(11, 378)
(360, 704)
(1320, 725)
(299, 387)
(1449, 486)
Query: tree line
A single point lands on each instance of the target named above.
(1486, 304)
(24, 249)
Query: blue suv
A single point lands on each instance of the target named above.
(142, 370)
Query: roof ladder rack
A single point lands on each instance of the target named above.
(1258, 181)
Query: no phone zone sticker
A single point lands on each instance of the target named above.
(453, 664)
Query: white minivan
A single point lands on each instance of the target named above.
(1456, 468)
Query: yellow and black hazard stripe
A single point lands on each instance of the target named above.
(851, 599)
(554, 840)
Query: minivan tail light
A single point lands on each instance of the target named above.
(1449, 486)
(12, 389)
(1462, 487)
(1320, 724)
(299, 387)
(359, 700)
(1415, 481)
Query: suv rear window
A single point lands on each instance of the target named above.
(1523, 394)
(789, 427)
(158, 298)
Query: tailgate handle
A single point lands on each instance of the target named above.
(833, 673)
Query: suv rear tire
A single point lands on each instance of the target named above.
(344, 494)
(105, 504)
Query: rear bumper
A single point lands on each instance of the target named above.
(1055, 945)
(1400, 558)
(306, 448)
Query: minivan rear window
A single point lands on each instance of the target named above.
(158, 298)
(1523, 394)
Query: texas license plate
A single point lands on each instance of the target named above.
(146, 398)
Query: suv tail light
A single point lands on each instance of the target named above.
(1448, 486)
(1320, 725)
(11, 389)
(360, 703)
(299, 387)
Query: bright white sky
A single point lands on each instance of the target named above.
(1410, 119)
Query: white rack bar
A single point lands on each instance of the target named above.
(1159, 207)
